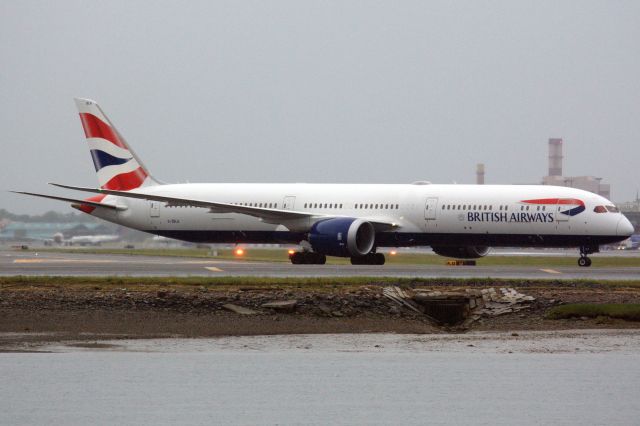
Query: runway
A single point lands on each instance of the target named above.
(59, 264)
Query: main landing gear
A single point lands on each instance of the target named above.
(584, 260)
(307, 258)
(311, 258)
(369, 259)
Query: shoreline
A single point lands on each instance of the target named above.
(48, 310)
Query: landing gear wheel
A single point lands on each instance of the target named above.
(316, 259)
(584, 261)
(296, 258)
(307, 258)
(369, 259)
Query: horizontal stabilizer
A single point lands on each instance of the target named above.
(72, 200)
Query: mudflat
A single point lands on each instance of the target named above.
(43, 309)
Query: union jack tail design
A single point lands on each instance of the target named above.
(117, 166)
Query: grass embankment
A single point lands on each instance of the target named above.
(629, 312)
(281, 255)
(322, 283)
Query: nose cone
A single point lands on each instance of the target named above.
(625, 228)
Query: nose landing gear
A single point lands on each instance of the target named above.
(584, 260)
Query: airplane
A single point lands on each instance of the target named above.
(81, 240)
(343, 220)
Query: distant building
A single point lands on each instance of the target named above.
(480, 174)
(555, 177)
(631, 209)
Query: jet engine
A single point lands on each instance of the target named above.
(342, 236)
(464, 252)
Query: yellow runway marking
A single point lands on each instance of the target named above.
(551, 271)
(213, 269)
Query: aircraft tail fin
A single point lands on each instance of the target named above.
(117, 165)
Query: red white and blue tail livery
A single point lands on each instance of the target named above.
(116, 164)
(346, 220)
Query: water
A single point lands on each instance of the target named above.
(586, 378)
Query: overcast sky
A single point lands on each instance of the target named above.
(344, 91)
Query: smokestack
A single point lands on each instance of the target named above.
(480, 174)
(555, 157)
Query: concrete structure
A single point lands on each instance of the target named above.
(555, 157)
(631, 209)
(480, 174)
(555, 177)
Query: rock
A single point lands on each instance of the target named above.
(515, 334)
(239, 309)
(324, 308)
(282, 305)
(337, 314)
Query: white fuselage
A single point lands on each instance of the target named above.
(424, 214)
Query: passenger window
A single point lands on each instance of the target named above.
(397, 206)
(600, 209)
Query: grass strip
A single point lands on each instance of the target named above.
(629, 312)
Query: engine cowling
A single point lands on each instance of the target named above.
(342, 236)
(465, 252)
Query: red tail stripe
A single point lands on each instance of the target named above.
(567, 201)
(89, 209)
(126, 181)
(96, 128)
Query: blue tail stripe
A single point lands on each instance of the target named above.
(102, 159)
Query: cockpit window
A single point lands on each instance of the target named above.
(600, 209)
(613, 209)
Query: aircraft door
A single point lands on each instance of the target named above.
(154, 213)
(430, 208)
(560, 207)
(289, 202)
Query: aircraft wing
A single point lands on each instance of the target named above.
(71, 200)
(266, 214)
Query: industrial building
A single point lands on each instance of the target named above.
(555, 177)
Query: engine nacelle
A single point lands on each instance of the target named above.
(466, 252)
(342, 236)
